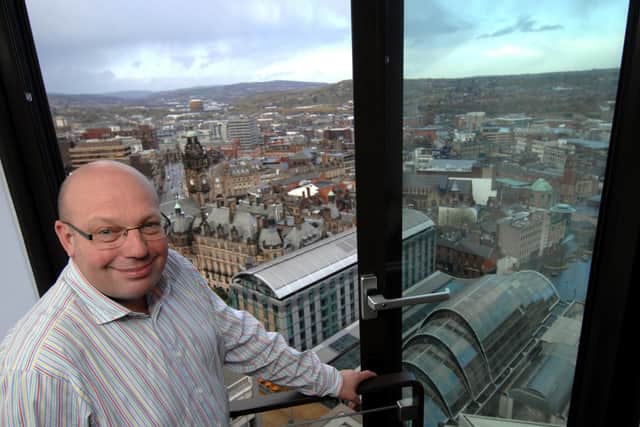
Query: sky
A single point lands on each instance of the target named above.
(98, 46)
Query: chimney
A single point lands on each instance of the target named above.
(308, 192)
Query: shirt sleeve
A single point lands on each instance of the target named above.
(250, 349)
(32, 399)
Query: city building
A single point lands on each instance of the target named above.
(430, 191)
(541, 194)
(307, 295)
(502, 139)
(465, 257)
(576, 185)
(224, 240)
(591, 155)
(196, 105)
(332, 134)
(245, 131)
(234, 179)
(418, 247)
(520, 234)
(146, 134)
(110, 149)
(196, 170)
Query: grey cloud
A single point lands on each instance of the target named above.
(95, 35)
(525, 25)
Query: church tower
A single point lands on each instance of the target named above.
(196, 169)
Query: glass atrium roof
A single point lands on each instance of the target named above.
(485, 322)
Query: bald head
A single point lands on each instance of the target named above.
(94, 177)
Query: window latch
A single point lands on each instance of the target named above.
(372, 301)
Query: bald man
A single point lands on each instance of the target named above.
(130, 334)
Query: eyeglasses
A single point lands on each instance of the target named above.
(113, 236)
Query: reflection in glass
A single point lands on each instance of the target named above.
(506, 126)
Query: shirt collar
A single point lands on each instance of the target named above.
(102, 308)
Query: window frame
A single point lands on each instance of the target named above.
(29, 151)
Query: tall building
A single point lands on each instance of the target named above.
(86, 152)
(196, 105)
(196, 169)
(307, 295)
(418, 247)
(245, 131)
(474, 120)
(519, 235)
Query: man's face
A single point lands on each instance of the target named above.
(128, 272)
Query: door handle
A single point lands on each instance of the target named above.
(371, 301)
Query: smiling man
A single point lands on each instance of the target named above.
(131, 334)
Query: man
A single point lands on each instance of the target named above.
(130, 334)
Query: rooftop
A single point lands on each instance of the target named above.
(413, 222)
(297, 270)
(449, 165)
(594, 145)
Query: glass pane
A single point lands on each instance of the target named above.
(507, 120)
(241, 114)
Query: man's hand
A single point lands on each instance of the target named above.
(350, 381)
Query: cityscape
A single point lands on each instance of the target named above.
(502, 179)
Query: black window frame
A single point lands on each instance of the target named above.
(29, 149)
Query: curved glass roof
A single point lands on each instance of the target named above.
(486, 322)
(434, 359)
(492, 300)
(462, 345)
(547, 386)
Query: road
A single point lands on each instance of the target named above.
(174, 182)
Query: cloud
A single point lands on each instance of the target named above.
(161, 44)
(511, 51)
(524, 24)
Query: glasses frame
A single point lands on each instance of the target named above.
(120, 240)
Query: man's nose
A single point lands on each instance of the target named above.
(135, 244)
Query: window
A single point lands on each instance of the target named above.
(382, 166)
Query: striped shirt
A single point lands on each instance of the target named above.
(78, 358)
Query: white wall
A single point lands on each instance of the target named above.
(18, 290)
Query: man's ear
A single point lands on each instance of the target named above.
(65, 236)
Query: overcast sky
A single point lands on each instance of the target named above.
(99, 46)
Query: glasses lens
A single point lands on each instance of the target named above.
(113, 237)
(107, 234)
(152, 230)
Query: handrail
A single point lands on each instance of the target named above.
(286, 399)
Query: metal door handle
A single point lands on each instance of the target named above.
(371, 302)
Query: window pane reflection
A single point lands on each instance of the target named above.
(506, 128)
